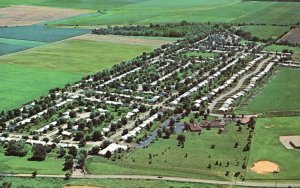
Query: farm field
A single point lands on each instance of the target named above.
(266, 32)
(22, 84)
(27, 15)
(266, 146)
(168, 158)
(292, 36)
(283, 88)
(14, 39)
(155, 11)
(56, 64)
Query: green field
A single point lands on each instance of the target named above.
(29, 74)
(266, 32)
(266, 146)
(107, 183)
(280, 94)
(156, 11)
(11, 164)
(170, 159)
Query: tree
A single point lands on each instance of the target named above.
(73, 151)
(68, 176)
(82, 155)
(97, 136)
(82, 142)
(61, 152)
(39, 152)
(167, 133)
(34, 173)
(79, 135)
(181, 140)
(159, 133)
(95, 150)
(68, 162)
(108, 154)
(16, 148)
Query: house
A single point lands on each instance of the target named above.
(194, 127)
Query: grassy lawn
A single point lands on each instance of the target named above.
(280, 94)
(11, 164)
(56, 64)
(279, 48)
(107, 183)
(266, 146)
(266, 32)
(169, 159)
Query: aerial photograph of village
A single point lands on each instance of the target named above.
(149, 93)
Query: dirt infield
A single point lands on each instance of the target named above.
(264, 167)
(292, 36)
(126, 39)
(22, 15)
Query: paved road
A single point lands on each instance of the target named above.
(238, 85)
(166, 178)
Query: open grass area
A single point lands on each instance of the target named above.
(107, 183)
(11, 164)
(266, 32)
(84, 55)
(280, 94)
(266, 146)
(191, 161)
(29, 74)
(19, 84)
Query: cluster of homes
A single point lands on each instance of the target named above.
(125, 94)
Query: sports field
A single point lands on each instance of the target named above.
(266, 146)
(191, 161)
(56, 64)
(266, 32)
(280, 94)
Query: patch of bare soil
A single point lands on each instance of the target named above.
(293, 36)
(265, 167)
(22, 15)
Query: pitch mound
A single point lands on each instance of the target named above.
(264, 167)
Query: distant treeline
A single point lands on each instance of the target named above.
(182, 29)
